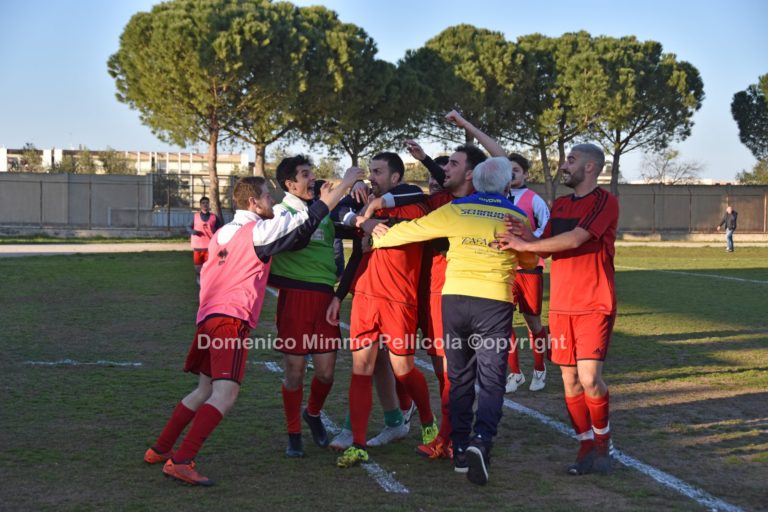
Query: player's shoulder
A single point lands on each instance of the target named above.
(439, 199)
(408, 211)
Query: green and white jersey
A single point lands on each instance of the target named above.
(312, 265)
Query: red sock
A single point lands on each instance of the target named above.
(582, 425)
(402, 396)
(360, 403)
(598, 411)
(416, 384)
(206, 419)
(539, 345)
(513, 359)
(180, 418)
(292, 404)
(445, 411)
(318, 392)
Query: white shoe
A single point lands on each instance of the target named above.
(342, 441)
(390, 434)
(514, 380)
(407, 415)
(538, 380)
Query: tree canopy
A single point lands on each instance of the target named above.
(467, 69)
(259, 72)
(647, 100)
(757, 176)
(750, 111)
(182, 66)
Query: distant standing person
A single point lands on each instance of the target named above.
(729, 221)
(204, 225)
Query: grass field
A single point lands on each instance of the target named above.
(687, 369)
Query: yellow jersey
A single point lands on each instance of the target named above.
(475, 266)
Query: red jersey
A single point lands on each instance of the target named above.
(582, 279)
(436, 249)
(392, 274)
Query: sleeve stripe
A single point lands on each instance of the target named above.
(270, 230)
(599, 204)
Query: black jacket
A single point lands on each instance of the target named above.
(729, 220)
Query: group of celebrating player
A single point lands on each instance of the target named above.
(452, 264)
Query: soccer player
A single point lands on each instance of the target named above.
(476, 305)
(455, 178)
(231, 295)
(384, 311)
(528, 288)
(397, 405)
(204, 225)
(580, 238)
(305, 279)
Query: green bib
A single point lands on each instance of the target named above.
(315, 263)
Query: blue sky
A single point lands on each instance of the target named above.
(55, 90)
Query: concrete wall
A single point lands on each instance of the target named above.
(104, 201)
(74, 200)
(689, 208)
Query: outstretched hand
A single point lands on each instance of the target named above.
(415, 149)
(454, 117)
(508, 241)
(519, 228)
(380, 230)
(374, 203)
(325, 191)
(353, 175)
(359, 192)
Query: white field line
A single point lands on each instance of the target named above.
(385, 479)
(72, 362)
(713, 276)
(699, 495)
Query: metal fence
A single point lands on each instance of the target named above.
(687, 208)
(168, 200)
(93, 201)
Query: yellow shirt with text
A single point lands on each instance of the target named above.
(475, 267)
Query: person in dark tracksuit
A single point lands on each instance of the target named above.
(729, 221)
(477, 305)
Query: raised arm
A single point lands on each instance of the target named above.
(417, 152)
(490, 144)
(292, 231)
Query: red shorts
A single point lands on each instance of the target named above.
(199, 257)
(301, 325)
(217, 351)
(391, 323)
(579, 337)
(527, 292)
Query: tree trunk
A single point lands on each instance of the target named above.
(615, 170)
(261, 159)
(355, 159)
(213, 176)
(550, 186)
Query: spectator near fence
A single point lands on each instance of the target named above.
(729, 221)
(204, 225)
